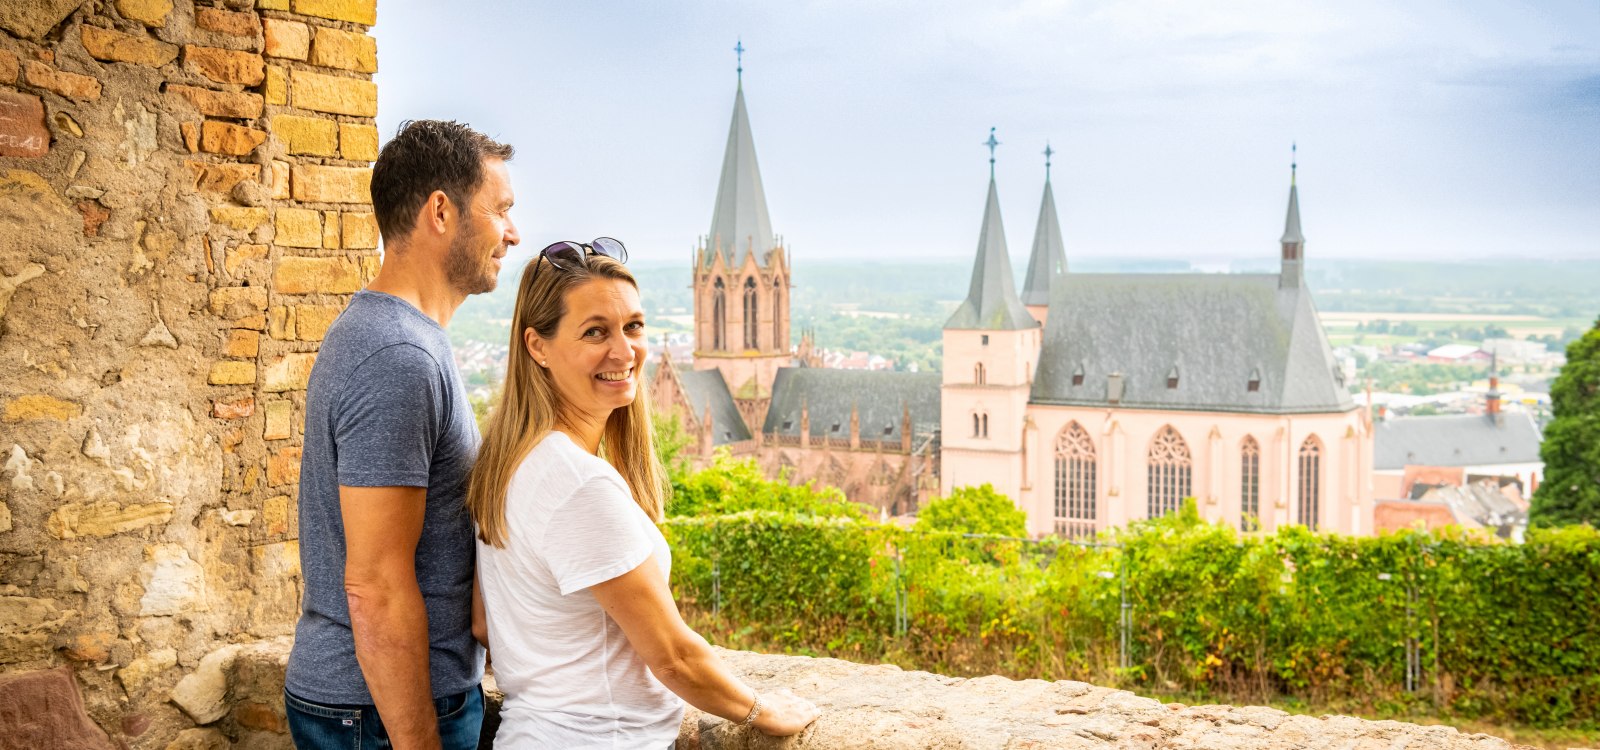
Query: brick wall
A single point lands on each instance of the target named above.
(184, 209)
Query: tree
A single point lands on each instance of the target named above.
(731, 485)
(1570, 493)
(973, 510)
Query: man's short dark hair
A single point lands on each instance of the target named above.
(424, 156)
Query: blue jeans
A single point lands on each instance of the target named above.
(317, 726)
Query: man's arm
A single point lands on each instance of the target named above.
(381, 528)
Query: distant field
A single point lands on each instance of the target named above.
(1337, 318)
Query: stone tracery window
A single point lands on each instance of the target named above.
(778, 342)
(719, 316)
(1309, 489)
(1171, 472)
(1075, 485)
(751, 314)
(1249, 485)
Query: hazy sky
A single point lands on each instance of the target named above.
(1428, 130)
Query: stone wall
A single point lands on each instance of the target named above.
(184, 208)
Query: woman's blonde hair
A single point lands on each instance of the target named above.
(529, 404)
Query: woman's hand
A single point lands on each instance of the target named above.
(783, 713)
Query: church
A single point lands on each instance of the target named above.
(1091, 400)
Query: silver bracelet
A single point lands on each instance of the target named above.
(755, 710)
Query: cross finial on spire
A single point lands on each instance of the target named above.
(1048, 152)
(1293, 161)
(991, 143)
(738, 49)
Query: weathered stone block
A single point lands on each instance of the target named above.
(358, 142)
(278, 180)
(316, 184)
(242, 343)
(287, 39)
(200, 738)
(334, 94)
(360, 231)
(280, 322)
(345, 50)
(70, 85)
(276, 89)
(44, 709)
(307, 135)
(297, 227)
(283, 467)
(191, 136)
(225, 65)
(113, 46)
(227, 138)
(40, 406)
(10, 68)
(203, 693)
(239, 217)
(238, 301)
(104, 518)
(142, 670)
(288, 372)
(238, 257)
(279, 420)
(312, 321)
(220, 103)
(364, 12)
(233, 408)
(330, 230)
(232, 372)
(174, 584)
(147, 12)
(297, 275)
(30, 19)
(282, 5)
(228, 22)
(221, 178)
(22, 128)
(275, 515)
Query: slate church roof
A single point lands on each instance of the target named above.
(740, 224)
(1049, 257)
(992, 303)
(706, 387)
(828, 396)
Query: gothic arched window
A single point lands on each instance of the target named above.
(1249, 485)
(719, 316)
(975, 425)
(1309, 492)
(778, 342)
(1171, 472)
(986, 425)
(1075, 482)
(750, 314)
(979, 375)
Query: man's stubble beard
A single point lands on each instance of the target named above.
(467, 271)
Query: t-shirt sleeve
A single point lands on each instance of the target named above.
(388, 420)
(595, 536)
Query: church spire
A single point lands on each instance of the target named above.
(1049, 258)
(739, 221)
(992, 302)
(1293, 242)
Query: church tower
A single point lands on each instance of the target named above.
(990, 346)
(1292, 274)
(1049, 258)
(741, 278)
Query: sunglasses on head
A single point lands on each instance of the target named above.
(566, 256)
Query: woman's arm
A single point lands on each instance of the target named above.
(480, 620)
(641, 603)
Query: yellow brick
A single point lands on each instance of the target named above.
(237, 257)
(105, 44)
(239, 217)
(242, 343)
(220, 137)
(238, 301)
(224, 65)
(280, 416)
(276, 90)
(281, 322)
(232, 372)
(312, 321)
(345, 50)
(355, 11)
(290, 39)
(287, 373)
(275, 514)
(333, 94)
(282, 5)
(315, 184)
(370, 264)
(299, 227)
(147, 12)
(297, 275)
(40, 406)
(307, 135)
(358, 142)
(360, 231)
(283, 467)
(330, 230)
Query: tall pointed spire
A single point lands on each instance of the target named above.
(1292, 242)
(739, 221)
(1049, 258)
(992, 302)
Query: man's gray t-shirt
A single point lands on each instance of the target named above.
(384, 408)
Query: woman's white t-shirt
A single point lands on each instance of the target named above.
(570, 676)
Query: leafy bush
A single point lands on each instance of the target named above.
(973, 510)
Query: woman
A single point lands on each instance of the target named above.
(588, 644)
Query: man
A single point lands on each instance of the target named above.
(384, 646)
